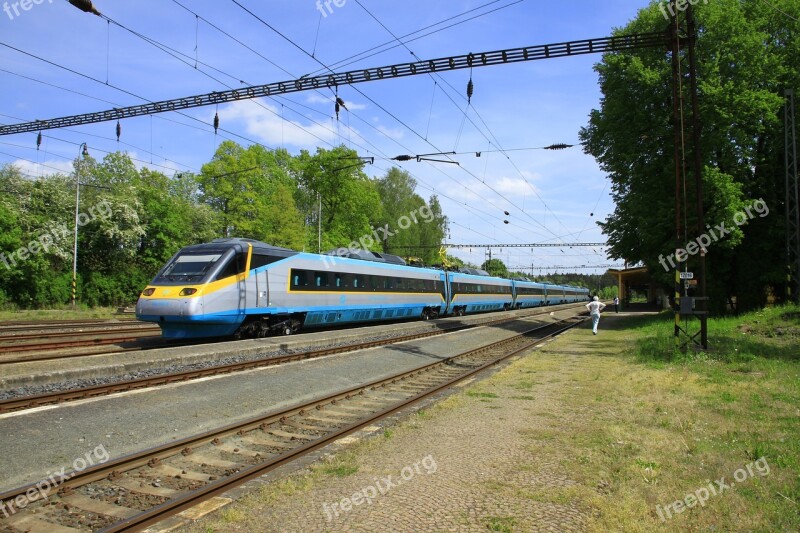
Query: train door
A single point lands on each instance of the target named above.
(448, 292)
(262, 289)
(242, 264)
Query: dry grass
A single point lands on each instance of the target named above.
(65, 313)
(639, 432)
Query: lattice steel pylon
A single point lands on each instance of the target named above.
(792, 203)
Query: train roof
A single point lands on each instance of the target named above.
(258, 246)
(474, 271)
(366, 255)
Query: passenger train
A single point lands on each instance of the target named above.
(247, 288)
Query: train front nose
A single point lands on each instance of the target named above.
(185, 317)
(178, 317)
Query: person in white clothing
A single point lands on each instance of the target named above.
(594, 307)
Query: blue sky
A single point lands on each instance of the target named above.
(548, 194)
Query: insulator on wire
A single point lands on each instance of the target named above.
(85, 5)
(559, 146)
(470, 89)
(38, 141)
(119, 130)
(337, 109)
(216, 122)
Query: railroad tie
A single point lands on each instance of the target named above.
(99, 506)
(25, 522)
(143, 487)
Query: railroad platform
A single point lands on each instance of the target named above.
(481, 459)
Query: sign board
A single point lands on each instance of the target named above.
(687, 275)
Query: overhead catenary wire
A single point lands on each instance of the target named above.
(497, 143)
(305, 52)
(259, 143)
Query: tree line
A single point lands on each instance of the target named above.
(131, 221)
(748, 54)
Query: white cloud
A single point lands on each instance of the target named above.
(395, 134)
(514, 187)
(35, 170)
(264, 122)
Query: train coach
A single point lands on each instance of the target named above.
(247, 288)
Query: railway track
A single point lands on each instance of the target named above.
(15, 347)
(116, 329)
(22, 344)
(11, 326)
(58, 397)
(133, 492)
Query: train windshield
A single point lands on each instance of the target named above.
(189, 267)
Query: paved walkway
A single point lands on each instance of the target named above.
(479, 461)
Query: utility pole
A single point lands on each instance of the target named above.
(792, 204)
(83, 150)
(685, 306)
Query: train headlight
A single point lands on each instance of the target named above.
(187, 292)
(148, 292)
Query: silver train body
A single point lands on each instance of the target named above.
(247, 288)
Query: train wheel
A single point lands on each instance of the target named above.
(288, 330)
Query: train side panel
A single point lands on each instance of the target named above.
(327, 290)
(476, 294)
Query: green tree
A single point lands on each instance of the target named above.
(747, 54)
(425, 234)
(351, 206)
(495, 267)
(253, 192)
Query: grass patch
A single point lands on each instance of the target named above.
(661, 424)
(504, 524)
(474, 394)
(64, 313)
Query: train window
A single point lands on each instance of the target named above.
(235, 266)
(356, 281)
(399, 284)
(299, 278)
(260, 260)
(321, 279)
(339, 283)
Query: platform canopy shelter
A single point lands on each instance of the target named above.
(637, 285)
